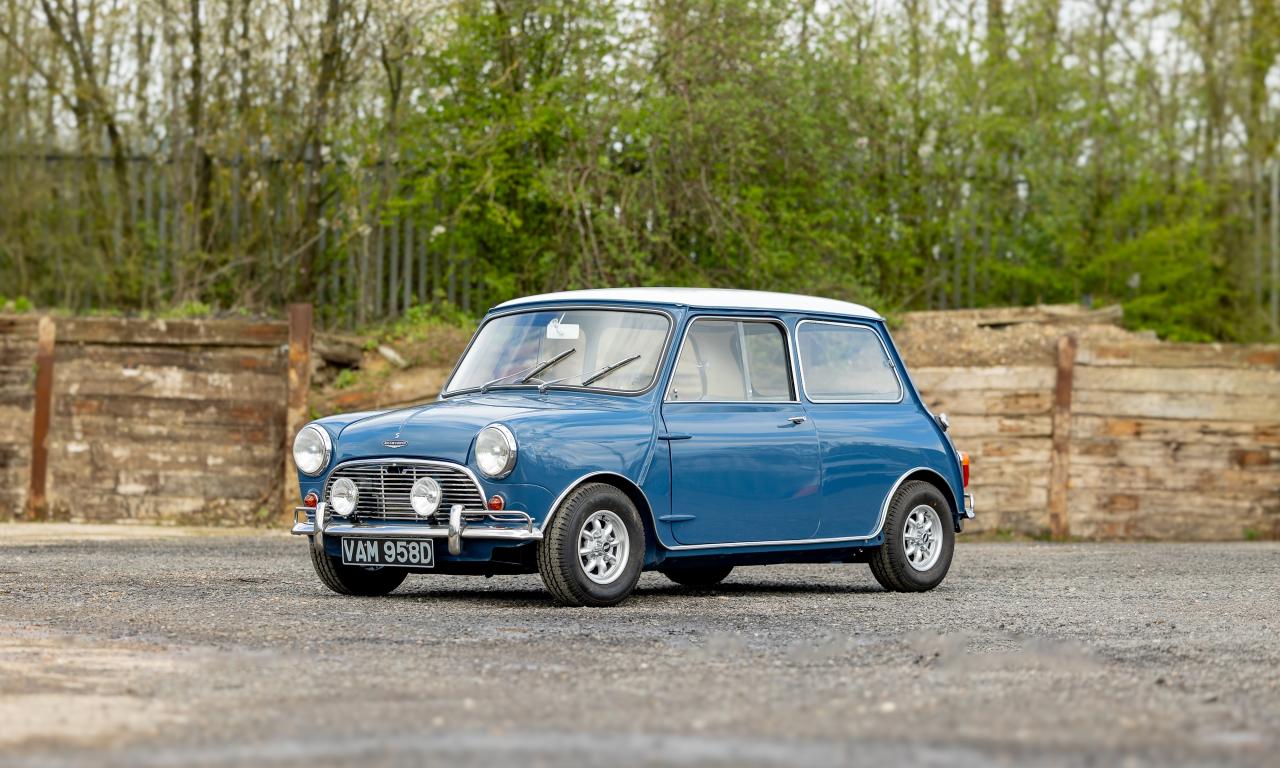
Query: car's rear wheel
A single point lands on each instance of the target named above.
(698, 576)
(919, 540)
(354, 579)
(593, 550)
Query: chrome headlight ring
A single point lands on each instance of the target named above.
(496, 451)
(312, 450)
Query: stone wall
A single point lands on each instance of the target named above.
(1175, 441)
(17, 396)
(177, 421)
(1157, 440)
(1113, 436)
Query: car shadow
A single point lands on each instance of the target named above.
(536, 595)
(762, 588)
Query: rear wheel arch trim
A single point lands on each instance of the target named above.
(925, 474)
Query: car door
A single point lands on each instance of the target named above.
(744, 455)
(870, 434)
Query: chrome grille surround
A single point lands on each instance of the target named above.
(384, 486)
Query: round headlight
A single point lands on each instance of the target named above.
(343, 496)
(496, 451)
(424, 497)
(311, 449)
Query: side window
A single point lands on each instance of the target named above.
(770, 375)
(732, 360)
(845, 362)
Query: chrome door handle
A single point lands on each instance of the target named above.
(794, 420)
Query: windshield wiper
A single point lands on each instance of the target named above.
(593, 376)
(544, 366)
(529, 373)
(608, 369)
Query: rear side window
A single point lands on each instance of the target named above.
(732, 360)
(843, 363)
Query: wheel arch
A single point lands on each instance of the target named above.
(628, 487)
(932, 477)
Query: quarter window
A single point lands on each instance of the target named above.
(732, 360)
(845, 363)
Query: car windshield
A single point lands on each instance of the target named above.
(612, 349)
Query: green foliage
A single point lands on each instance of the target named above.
(187, 310)
(345, 379)
(18, 304)
(424, 321)
(919, 155)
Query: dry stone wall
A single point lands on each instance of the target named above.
(185, 422)
(151, 420)
(1163, 441)
(17, 397)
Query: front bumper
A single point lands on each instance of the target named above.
(504, 526)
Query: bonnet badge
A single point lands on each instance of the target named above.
(396, 442)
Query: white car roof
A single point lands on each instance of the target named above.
(707, 298)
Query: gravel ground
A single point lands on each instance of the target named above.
(186, 650)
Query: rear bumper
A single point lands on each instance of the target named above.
(968, 505)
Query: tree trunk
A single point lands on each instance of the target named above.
(330, 60)
(1275, 248)
(201, 162)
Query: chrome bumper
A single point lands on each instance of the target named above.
(521, 528)
(968, 505)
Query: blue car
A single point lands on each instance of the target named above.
(588, 436)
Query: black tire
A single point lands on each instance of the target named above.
(353, 579)
(698, 576)
(890, 563)
(559, 564)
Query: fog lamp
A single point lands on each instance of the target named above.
(424, 497)
(343, 496)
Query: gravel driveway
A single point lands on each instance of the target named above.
(176, 649)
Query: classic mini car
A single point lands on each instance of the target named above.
(591, 435)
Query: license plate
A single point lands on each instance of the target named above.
(406, 553)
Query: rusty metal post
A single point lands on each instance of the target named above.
(296, 411)
(37, 501)
(1059, 467)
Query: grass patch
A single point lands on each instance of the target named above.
(423, 323)
(18, 304)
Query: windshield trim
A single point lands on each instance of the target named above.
(445, 392)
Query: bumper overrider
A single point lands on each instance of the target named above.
(505, 526)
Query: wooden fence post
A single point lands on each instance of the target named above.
(1059, 467)
(296, 411)
(37, 501)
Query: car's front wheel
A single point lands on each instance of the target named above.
(354, 579)
(593, 550)
(919, 539)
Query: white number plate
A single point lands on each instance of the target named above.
(407, 553)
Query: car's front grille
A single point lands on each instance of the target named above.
(385, 485)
